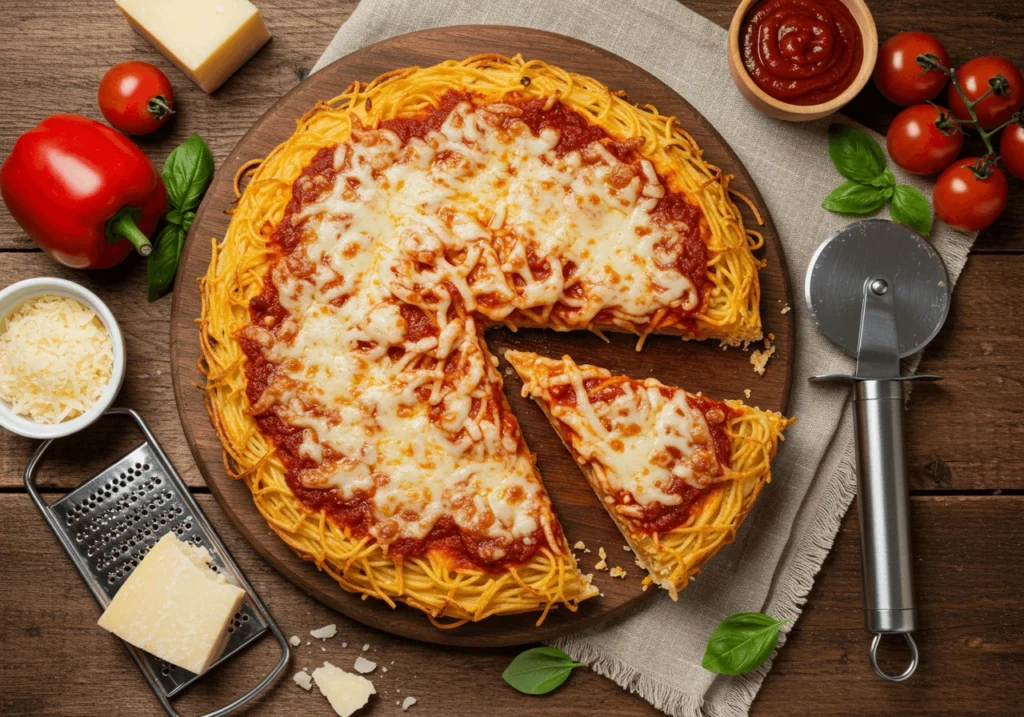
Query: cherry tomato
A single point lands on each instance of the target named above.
(974, 76)
(898, 76)
(136, 97)
(917, 145)
(1011, 149)
(965, 202)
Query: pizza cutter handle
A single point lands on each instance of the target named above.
(883, 506)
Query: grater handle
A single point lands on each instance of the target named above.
(267, 680)
(884, 510)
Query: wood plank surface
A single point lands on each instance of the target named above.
(970, 640)
(964, 435)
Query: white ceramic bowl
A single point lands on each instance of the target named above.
(16, 294)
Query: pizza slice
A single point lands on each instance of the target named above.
(678, 472)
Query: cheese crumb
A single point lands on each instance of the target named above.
(579, 545)
(759, 359)
(303, 680)
(294, 641)
(366, 646)
(586, 550)
(364, 666)
(617, 572)
(325, 632)
(344, 644)
(407, 703)
(602, 564)
(384, 669)
(346, 692)
(601, 554)
(626, 548)
(56, 359)
(746, 392)
(786, 309)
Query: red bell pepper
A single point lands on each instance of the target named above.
(83, 192)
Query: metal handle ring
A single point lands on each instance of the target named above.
(880, 672)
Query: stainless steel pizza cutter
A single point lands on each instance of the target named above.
(880, 292)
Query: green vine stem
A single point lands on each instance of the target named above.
(998, 85)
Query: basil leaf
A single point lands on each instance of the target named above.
(910, 207)
(856, 155)
(162, 264)
(854, 198)
(188, 172)
(539, 670)
(886, 182)
(741, 642)
(174, 217)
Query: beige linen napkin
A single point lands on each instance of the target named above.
(771, 567)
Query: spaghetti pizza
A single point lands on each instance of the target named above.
(347, 375)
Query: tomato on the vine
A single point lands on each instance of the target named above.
(1011, 149)
(898, 76)
(974, 78)
(966, 201)
(136, 97)
(916, 143)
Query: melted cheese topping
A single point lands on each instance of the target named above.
(450, 224)
(646, 438)
(56, 359)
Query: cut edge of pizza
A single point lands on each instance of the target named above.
(677, 472)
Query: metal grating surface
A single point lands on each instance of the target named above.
(111, 522)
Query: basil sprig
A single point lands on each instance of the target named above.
(187, 173)
(870, 184)
(741, 642)
(539, 670)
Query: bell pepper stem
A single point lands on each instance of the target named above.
(122, 226)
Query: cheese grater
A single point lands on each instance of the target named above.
(109, 523)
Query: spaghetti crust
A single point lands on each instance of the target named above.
(238, 272)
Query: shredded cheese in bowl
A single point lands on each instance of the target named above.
(56, 359)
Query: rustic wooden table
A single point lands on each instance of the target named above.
(966, 440)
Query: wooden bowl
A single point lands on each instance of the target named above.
(802, 113)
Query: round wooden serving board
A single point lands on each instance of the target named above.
(694, 366)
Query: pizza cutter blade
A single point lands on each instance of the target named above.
(880, 292)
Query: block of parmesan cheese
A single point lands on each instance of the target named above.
(207, 39)
(174, 606)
